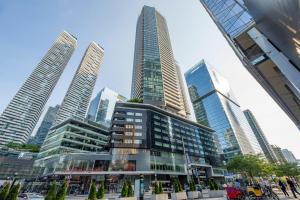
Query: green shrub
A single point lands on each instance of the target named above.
(5, 190)
(213, 185)
(51, 192)
(100, 192)
(14, 192)
(130, 189)
(177, 186)
(160, 188)
(135, 100)
(92, 194)
(192, 186)
(62, 192)
(124, 191)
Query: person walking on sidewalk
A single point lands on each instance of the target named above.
(292, 187)
(283, 188)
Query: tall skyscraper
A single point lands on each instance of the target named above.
(278, 153)
(267, 45)
(102, 106)
(155, 77)
(23, 112)
(215, 106)
(289, 156)
(260, 136)
(78, 96)
(45, 126)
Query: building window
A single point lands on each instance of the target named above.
(138, 134)
(128, 126)
(126, 141)
(138, 120)
(138, 114)
(138, 127)
(137, 141)
(130, 113)
(158, 143)
(128, 133)
(129, 119)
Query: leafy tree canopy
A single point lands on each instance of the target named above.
(250, 166)
(24, 147)
(135, 100)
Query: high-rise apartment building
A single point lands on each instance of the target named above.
(23, 112)
(215, 106)
(76, 101)
(102, 106)
(45, 126)
(289, 156)
(155, 77)
(278, 153)
(267, 43)
(260, 136)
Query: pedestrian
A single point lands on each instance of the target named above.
(283, 188)
(292, 187)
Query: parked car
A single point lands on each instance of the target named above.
(30, 196)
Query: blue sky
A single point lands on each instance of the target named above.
(28, 29)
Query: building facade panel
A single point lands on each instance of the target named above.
(155, 77)
(257, 40)
(76, 101)
(215, 106)
(23, 112)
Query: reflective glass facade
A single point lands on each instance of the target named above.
(230, 14)
(102, 106)
(156, 78)
(45, 126)
(145, 126)
(216, 107)
(147, 59)
(261, 138)
(264, 36)
(74, 136)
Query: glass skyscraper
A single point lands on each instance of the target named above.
(215, 106)
(23, 112)
(155, 77)
(45, 126)
(260, 136)
(267, 43)
(102, 106)
(77, 98)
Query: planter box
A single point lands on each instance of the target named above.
(205, 193)
(193, 195)
(178, 196)
(127, 198)
(159, 197)
(216, 193)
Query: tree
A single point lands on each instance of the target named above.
(130, 190)
(14, 192)
(92, 194)
(51, 192)
(135, 100)
(249, 166)
(160, 188)
(176, 185)
(124, 191)
(100, 193)
(287, 169)
(5, 190)
(62, 192)
(192, 186)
